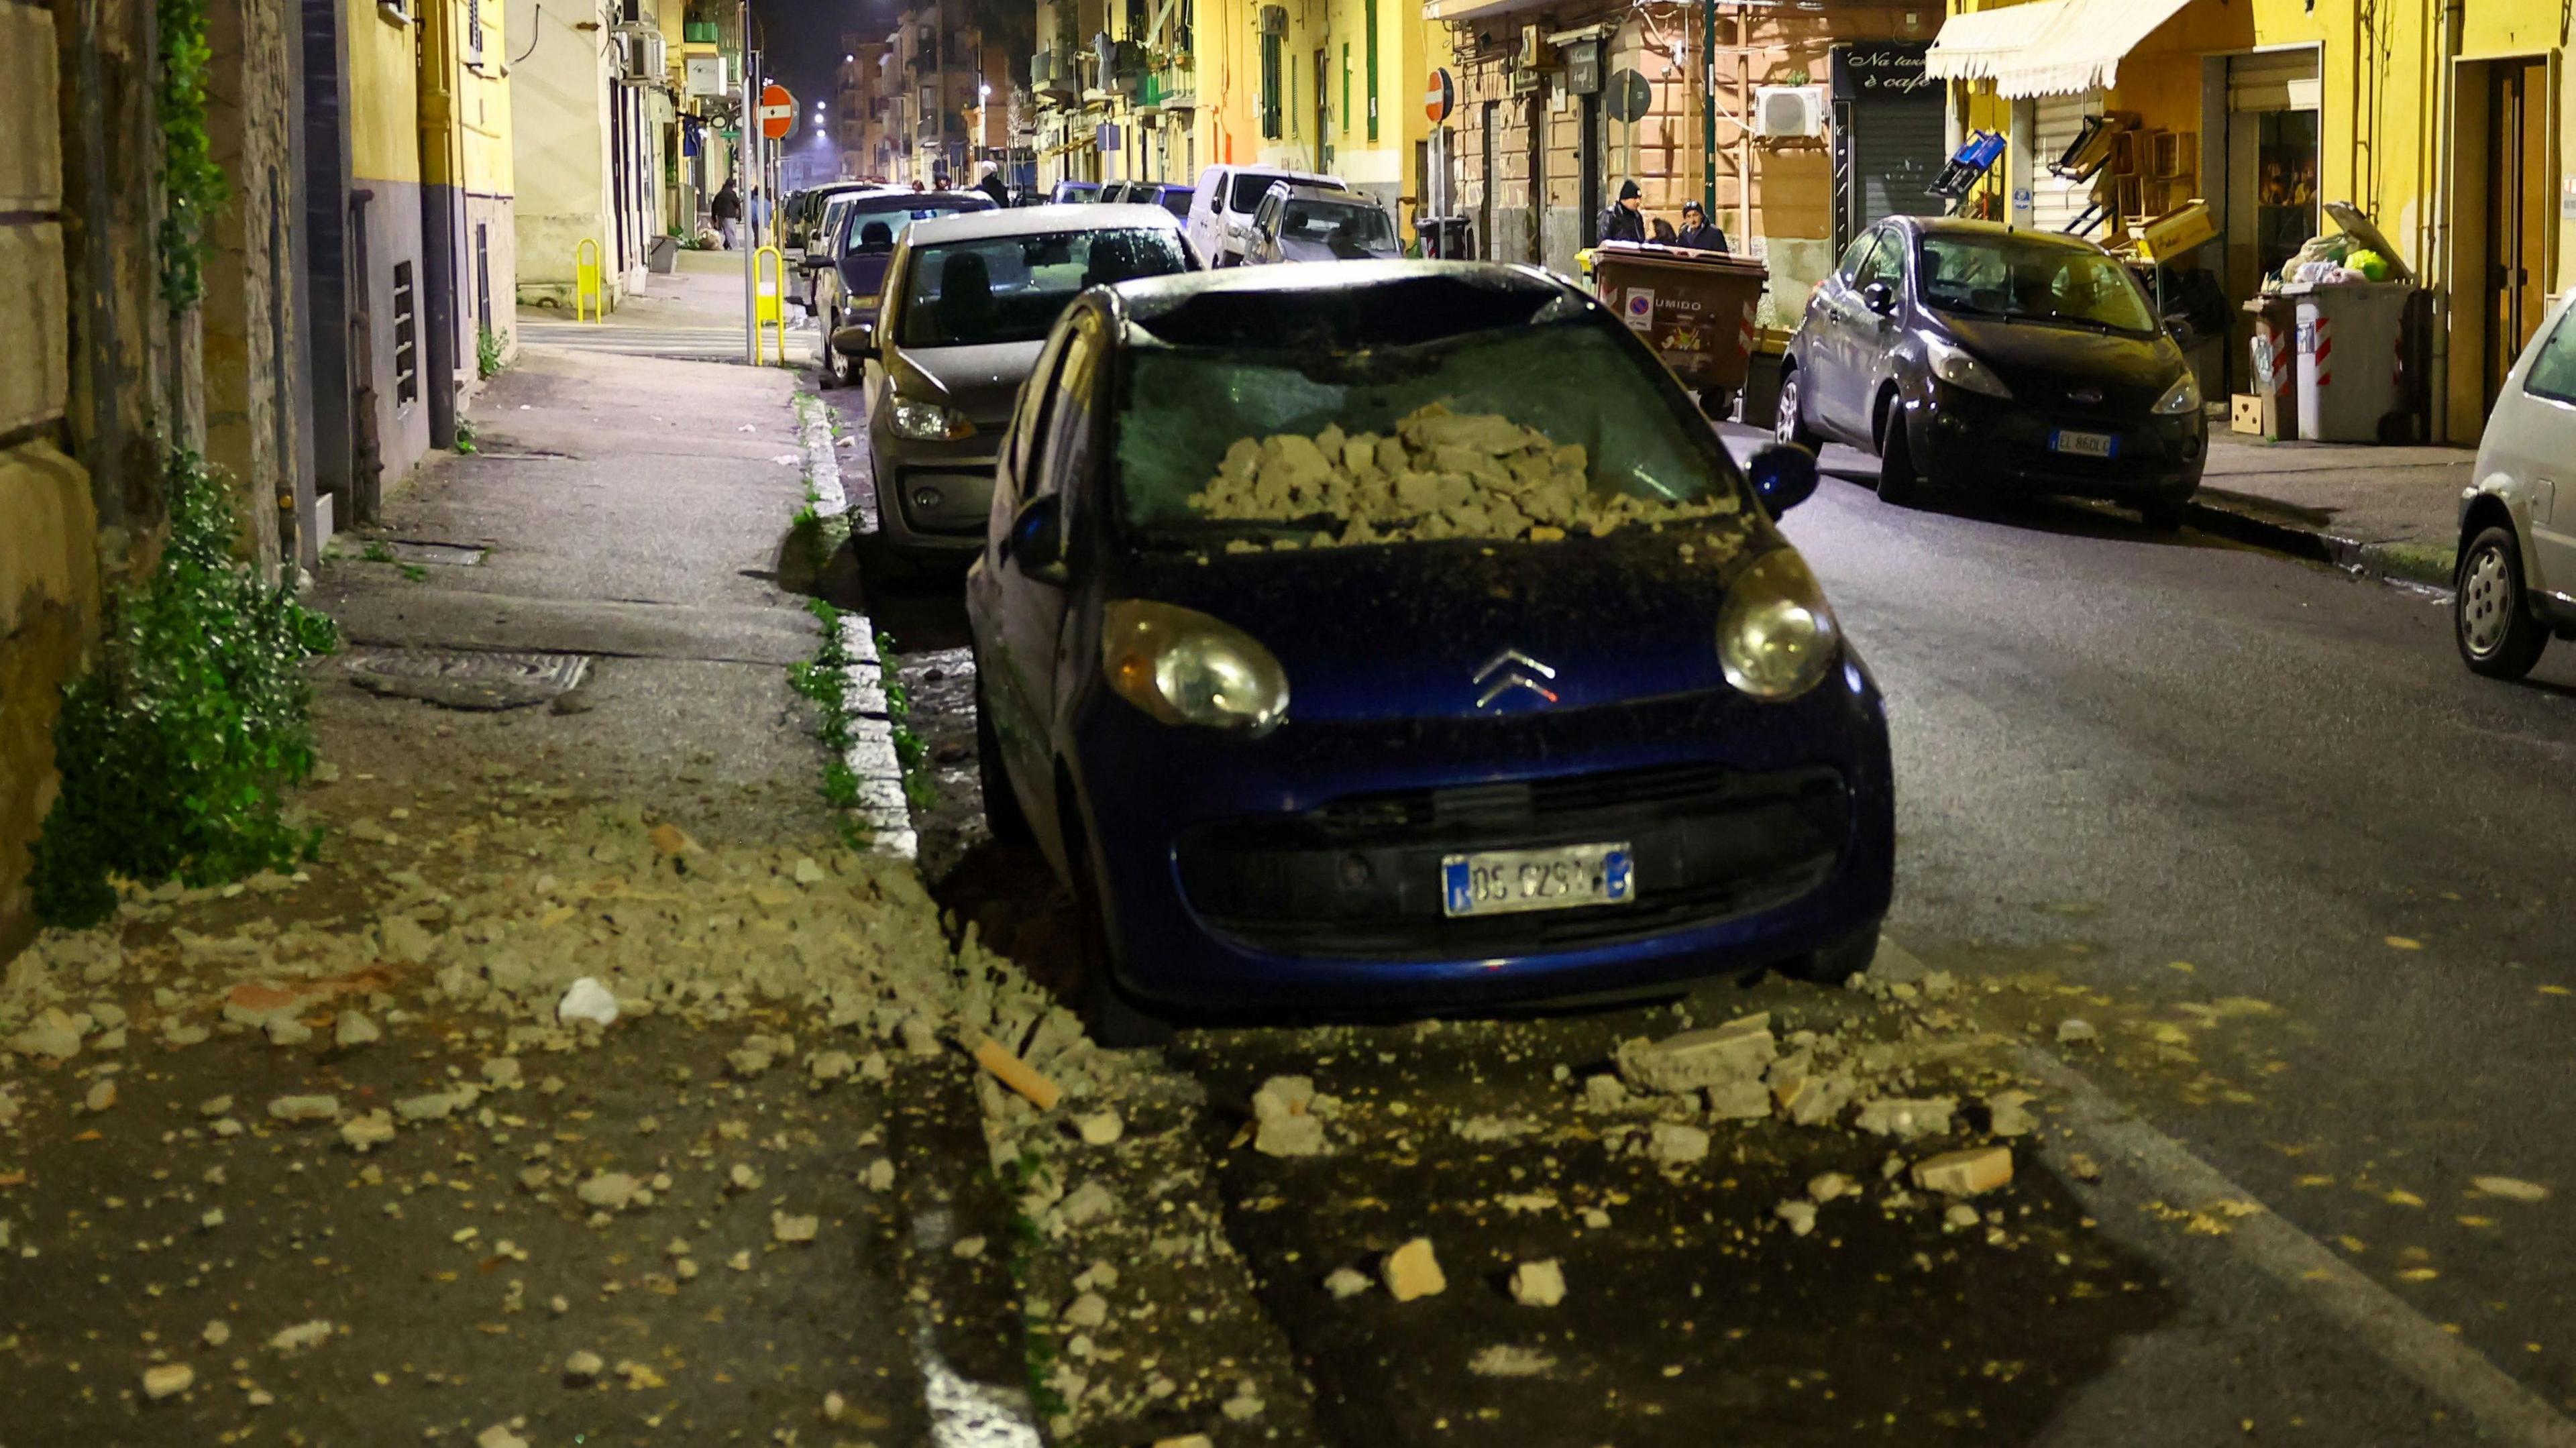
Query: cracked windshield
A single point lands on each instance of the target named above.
(1231, 725)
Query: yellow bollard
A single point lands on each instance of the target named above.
(768, 307)
(585, 270)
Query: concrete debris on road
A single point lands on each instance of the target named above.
(1801, 1216)
(1100, 1128)
(168, 1380)
(1289, 1121)
(353, 1029)
(1908, 1120)
(609, 1191)
(305, 1108)
(1965, 1173)
(2076, 1030)
(793, 1230)
(1828, 1186)
(361, 1133)
(1670, 1143)
(1538, 1284)
(1503, 1360)
(583, 1366)
(2008, 1113)
(587, 1000)
(1346, 1282)
(1412, 1271)
(1699, 1060)
(301, 1336)
(2510, 1189)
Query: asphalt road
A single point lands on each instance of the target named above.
(2251, 818)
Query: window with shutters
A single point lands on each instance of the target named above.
(1346, 87)
(1270, 83)
(1371, 45)
(474, 32)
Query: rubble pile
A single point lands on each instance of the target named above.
(1441, 475)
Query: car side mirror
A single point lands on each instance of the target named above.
(1879, 297)
(1036, 540)
(1783, 476)
(859, 339)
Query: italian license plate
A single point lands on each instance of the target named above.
(2084, 444)
(1501, 882)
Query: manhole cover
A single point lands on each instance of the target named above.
(454, 555)
(468, 679)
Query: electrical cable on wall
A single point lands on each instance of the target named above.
(536, 29)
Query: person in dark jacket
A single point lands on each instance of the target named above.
(726, 208)
(994, 186)
(1696, 234)
(1624, 221)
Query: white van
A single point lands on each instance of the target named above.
(1221, 210)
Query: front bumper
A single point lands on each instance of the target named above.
(933, 497)
(1302, 871)
(1967, 439)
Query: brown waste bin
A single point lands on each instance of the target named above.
(1695, 308)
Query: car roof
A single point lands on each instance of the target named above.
(1398, 302)
(903, 200)
(1325, 193)
(1041, 221)
(1962, 226)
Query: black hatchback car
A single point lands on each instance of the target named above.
(1971, 355)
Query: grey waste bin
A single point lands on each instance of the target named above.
(2348, 356)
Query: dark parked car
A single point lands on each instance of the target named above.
(1074, 193)
(1308, 223)
(1340, 659)
(1971, 356)
(969, 301)
(849, 265)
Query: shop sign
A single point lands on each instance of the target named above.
(1583, 68)
(1869, 70)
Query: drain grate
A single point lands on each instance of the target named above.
(468, 678)
(453, 555)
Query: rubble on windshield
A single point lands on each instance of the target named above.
(1442, 475)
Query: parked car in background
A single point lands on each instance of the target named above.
(1113, 193)
(1172, 197)
(1074, 193)
(798, 223)
(1221, 206)
(1307, 223)
(1580, 723)
(969, 301)
(1970, 356)
(852, 268)
(2515, 582)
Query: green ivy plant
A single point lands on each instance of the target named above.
(487, 354)
(177, 746)
(192, 185)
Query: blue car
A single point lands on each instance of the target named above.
(1395, 636)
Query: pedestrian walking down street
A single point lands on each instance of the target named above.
(727, 210)
(1696, 233)
(1624, 221)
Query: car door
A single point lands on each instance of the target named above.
(1263, 246)
(1833, 314)
(1872, 334)
(1028, 608)
(2537, 433)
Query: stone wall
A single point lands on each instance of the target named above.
(253, 423)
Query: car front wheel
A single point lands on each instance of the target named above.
(1900, 478)
(1002, 813)
(2490, 613)
(1790, 426)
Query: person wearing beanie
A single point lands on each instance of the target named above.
(1696, 233)
(1624, 221)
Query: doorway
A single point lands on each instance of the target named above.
(2518, 194)
(1493, 130)
(1591, 202)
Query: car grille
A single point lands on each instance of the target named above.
(1361, 877)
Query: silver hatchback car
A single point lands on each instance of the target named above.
(967, 305)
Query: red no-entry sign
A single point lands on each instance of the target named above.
(777, 112)
(1441, 97)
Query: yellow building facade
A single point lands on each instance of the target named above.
(2444, 127)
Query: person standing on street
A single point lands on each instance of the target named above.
(727, 210)
(1624, 221)
(1696, 233)
(993, 186)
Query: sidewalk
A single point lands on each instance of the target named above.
(2392, 511)
(693, 312)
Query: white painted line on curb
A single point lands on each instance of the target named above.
(882, 803)
(2506, 1411)
(822, 462)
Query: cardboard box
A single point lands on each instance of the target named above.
(2245, 413)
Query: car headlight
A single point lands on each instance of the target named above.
(1182, 667)
(928, 421)
(1776, 636)
(1958, 367)
(2182, 399)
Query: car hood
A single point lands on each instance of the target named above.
(2045, 364)
(1323, 251)
(982, 382)
(1404, 631)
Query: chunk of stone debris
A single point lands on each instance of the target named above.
(361, 1133)
(879, 1177)
(1801, 1216)
(168, 1380)
(406, 940)
(1673, 1144)
(1960, 1217)
(587, 1000)
(831, 1065)
(1283, 1096)
(1345, 1282)
(1808, 1099)
(792, 1229)
(1085, 1204)
(1503, 1360)
(499, 1435)
(1089, 1310)
(304, 1108)
(2074, 1029)
(609, 1191)
(437, 1106)
(301, 1336)
(1698, 1060)
(1604, 1093)
(1965, 1173)
(102, 1095)
(750, 1060)
(2008, 1113)
(1412, 1271)
(501, 1072)
(51, 1036)
(583, 1366)
(1100, 1128)
(1827, 1186)
(1745, 1100)
(217, 1333)
(1538, 1284)
(285, 1030)
(1907, 1119)
(1287, 1124)
(1244, 1406)
(354, 1029)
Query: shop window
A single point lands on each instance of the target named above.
(2285, 185)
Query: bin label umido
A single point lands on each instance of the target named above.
(1641, 308)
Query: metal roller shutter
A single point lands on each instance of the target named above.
(1896, 151)
(2055, 122)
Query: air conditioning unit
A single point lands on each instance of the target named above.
(1274, 19)
(1781, 111)
(707, 76)
(644, 65)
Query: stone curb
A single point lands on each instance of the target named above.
(2238, 517)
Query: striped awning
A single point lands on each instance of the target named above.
(2046, 47)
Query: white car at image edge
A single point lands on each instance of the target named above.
(2516, 574)
(1221, 208)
